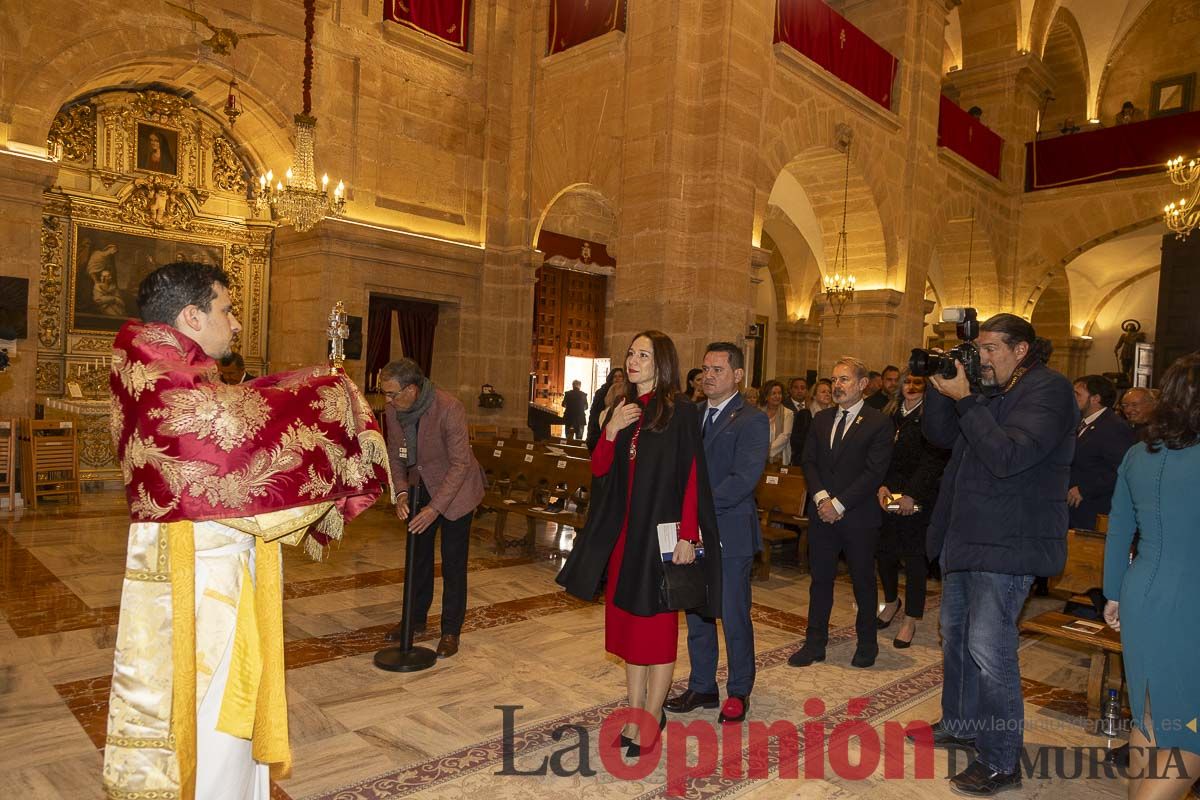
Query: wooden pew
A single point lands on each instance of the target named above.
(780, 496)
(524, 481)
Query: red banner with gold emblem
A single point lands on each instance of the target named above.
(970, 138)
(574, 22)
(445, 20)
(192, 448)
(826, 37)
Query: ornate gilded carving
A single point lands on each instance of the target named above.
(157, 105)
(50, 285)
(73, 133)
(91, 344)
(95, 442)
(235, 268)
(159, 202)
(92, 377)
(49, 377)
(228, 172)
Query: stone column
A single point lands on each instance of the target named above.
(867, 329)
(799, 343)
(1075, 363)
(23, 178)
(695, 77)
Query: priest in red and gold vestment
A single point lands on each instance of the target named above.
(218, 477)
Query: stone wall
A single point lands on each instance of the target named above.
(665, 141)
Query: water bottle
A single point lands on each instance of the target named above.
(1110, 717)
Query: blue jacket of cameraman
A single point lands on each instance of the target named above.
(1002, 505)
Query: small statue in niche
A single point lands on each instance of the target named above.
(1126, 347)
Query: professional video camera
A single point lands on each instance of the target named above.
(924, 363)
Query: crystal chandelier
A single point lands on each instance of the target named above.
(1184, 217)
(839, 289)
(300, 203)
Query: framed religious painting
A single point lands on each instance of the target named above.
(1172, 95)
(157, 149)
(108, 266)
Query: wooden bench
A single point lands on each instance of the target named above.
(1106, 669)
(1085, 565)
(1084, 569)
(526, 481)
(780, 495)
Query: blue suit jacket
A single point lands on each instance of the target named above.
(736, 448)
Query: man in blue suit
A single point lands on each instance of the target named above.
(737, 438)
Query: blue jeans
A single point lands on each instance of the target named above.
(981, 692)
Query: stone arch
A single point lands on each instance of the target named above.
(159, 49)
(1065, 56)
(806, 141)
(1051, 318)
(1059, 267)
(952, 47)
(1038, 24)
(1150, 20)
(965, 238)
(991, 30)
(581, 210)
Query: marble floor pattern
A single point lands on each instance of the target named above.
(532, 658)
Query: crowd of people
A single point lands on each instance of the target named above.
(975, 482)
(980, 479)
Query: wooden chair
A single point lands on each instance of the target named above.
(8, 461)
(780, 495)
(49, 460)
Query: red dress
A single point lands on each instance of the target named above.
(637, 639)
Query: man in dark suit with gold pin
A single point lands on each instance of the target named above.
(845, 461)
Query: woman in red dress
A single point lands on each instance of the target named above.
(648, 473)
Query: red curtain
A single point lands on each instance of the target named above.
(970, 138)
(574, 22)
(1109, 153)
(417, 322)
(445, 20)
(379, 337)
(820, 33)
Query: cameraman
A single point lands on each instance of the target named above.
(1000, 519)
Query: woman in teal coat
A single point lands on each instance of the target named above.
(1153, 599)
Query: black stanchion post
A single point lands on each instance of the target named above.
(404, 657)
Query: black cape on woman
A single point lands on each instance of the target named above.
(664, 460)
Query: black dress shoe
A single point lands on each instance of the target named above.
(980, 780)
(394, 634)
(735, 709)
(806, 655)
(690, 701)
(634, 750)
(944, 738)
(863, 659)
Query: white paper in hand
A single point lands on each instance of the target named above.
(668, 537)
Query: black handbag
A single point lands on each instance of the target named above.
(683, 586)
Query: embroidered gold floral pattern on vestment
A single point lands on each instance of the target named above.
(228, 414)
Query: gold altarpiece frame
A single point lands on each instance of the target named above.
(145, 177)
